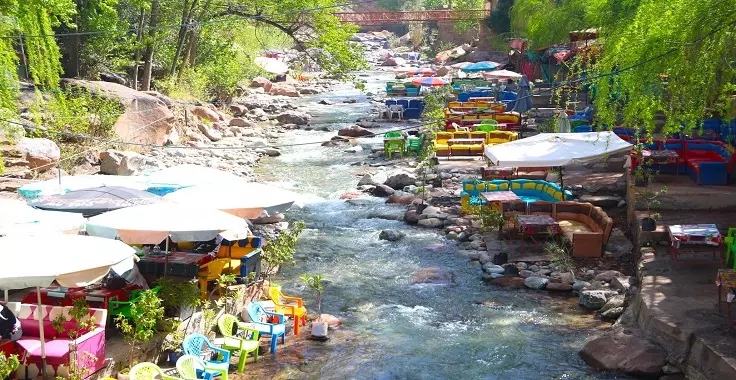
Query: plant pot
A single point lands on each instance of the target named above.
(174, 356)
(648, 224)
(319, 330)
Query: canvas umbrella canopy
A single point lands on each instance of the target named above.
(171, 179)
(16, 217)
(271, 65)
(502, 74)
(96, 200)
(407, 69)
(460, 65)
(430, 82)
(68, 183)
(247, 200)
(480, 66)
(70, 260)
(152, 224)
(524, 97)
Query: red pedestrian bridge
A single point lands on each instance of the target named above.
(374, 18)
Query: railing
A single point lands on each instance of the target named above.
(368, 18)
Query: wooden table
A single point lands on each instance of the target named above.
(693, 234)
(183, 264)
(531, 225)
(495, 198)
(726, 279)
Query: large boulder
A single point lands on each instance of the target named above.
(210, 132)
(442, 71)
(238, 110)
(432, 276)
(242, 123)
(453, 53)
(403, 200)
(146, 119)
(382, 191)
(283, 89)
(401, 179)
(394, 61)
(558, 287)
(613, 302)
(478, 56)
(294, 117)
(41, 154)
(536, 283)
(113, 77)
(261, 82)
(374, 179)
(430, 222)
(354, 131)
(391, 235)
(595, 299)
(205, 113)
(620, 352)
(117, 162)
(607, 276)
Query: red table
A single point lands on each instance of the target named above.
(495, 198)
(693, 234)
(531, 225)
(96, 295)
(726, 278)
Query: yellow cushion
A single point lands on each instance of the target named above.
(540, 186)
(573, 226)
(529, 186)
(482, 186)
(504, 186)
(492, 187)
(515, 186)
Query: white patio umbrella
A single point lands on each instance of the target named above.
(170, 179)
(151, 224)
(70, 260)
(272, 65)
(16, 217)
(502, 74)
(246, 200)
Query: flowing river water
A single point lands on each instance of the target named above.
(394, 329)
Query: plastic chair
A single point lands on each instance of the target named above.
(730, 248)
(192, 345)
(192, 367)
(394, 146)
(148, 371)
(255, 312)
(396, 109)
(414, 144)
(124, 307)
(458, 128)
(233, 343)
(290, 306)
(211, 271)
(487, 127)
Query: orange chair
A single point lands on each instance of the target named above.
(286, 305)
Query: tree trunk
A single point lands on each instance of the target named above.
(186, 17)
(148, 54)
(190, 52)
(137, 52)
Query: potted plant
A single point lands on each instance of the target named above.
(647, 195)
(178, 298)
(172, 342)
(314, 282)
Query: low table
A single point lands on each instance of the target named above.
(726, 279)
(495, 198)
(693, 234)
(662, 157)
(183, 264)
(531, 225)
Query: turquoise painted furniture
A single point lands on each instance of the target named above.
(193, 345)
(258, 314)
(529, 190)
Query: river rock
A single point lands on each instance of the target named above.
(404, 200)
(242, 123)
(613, 302)
(595, 299)
(431, 210)
(442, 71)
(261, 82)
(238, 110)
(439, 276)
(621, 283)
(525, 273)
(430, 223)
(613, 313)
(394, 61)
(608, 275)
(283, 89)
(618, 244)
(493, 268)
(412, 217)
(391, 235)
(509, 282)
(354, 149)
(271, 152)
(400, 180)
(536, 283)
(40, 153)
(382, 191)
(579, 285)
(117, 162)
(308, 91)
(277, 218)
(620, 352)
(354, 131)
(294, 117)
(567, 278)
(205, 113)
(558, 287)
(210, 132)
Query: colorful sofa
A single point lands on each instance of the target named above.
(413, 108)
(529, 190)
(586, 227)
(706, 162)
(90, 345)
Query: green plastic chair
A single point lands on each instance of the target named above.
(394, 146)
(414, 144)
(487, 127)
(730, 248)
(124, 307)
(392, 134)
(149, 371)
(235, 344)
(192, 367)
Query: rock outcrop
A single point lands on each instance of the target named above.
(41, 154)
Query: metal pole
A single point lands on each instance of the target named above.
(39, 316)
(562, 184)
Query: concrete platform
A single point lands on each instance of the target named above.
(678, 309)
(684, 194)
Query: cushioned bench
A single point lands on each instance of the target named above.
(706, 162)
(527, 190)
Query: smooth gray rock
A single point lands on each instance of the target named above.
(391, 235)
(613, 302)
(536, 283)
(374, 179)
(430, 223)
(612, 313)
(579, 285)
(493, 268)
(608, 275)
(595, 299)
(399, 180)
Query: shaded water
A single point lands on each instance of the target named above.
(392, 328)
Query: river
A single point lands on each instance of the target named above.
(394, 329)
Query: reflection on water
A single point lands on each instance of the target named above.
(393, 328)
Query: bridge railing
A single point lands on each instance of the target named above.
(412, 16)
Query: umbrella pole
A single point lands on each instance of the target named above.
(40, 331)
(562, 184)
(166, 257)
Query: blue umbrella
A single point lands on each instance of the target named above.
(480, 66)
(523, 98)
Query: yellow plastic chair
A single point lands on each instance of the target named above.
(211, 271)
(290, 306)
(192, 367)
(149, 371)
(236, 344)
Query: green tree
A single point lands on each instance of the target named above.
(142, 326)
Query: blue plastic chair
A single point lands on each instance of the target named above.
(463, 97)
(390, 102)
(255, 312)
(403, 102)
(583, 128)
(193, 344)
